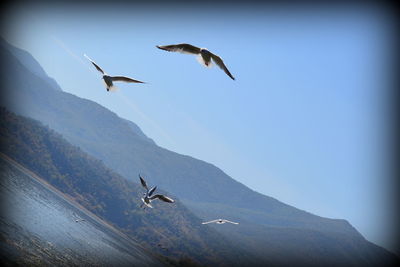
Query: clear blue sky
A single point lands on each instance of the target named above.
(305, 121)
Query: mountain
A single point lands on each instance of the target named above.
(111, 139)
(139, 132)
(270, 231)
(30, 63)
(169, 229)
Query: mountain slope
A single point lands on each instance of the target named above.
(204, 188)
(59, 240)
(30, 63)
(169, 229)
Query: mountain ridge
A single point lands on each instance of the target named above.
(31, 63)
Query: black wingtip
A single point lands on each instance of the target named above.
(162, 48)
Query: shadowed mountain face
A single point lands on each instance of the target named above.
(38, 227)
(30, 63)
(268, 228)
(169, 229)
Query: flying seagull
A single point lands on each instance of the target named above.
(147, 197)
(80, 220)
(204, 55)
(219, 221)
(110, 79)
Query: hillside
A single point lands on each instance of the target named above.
(169, 229)
(30, 63)
(41, 228)
(268, 229)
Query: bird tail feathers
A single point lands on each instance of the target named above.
(113, 88)
(200, 59)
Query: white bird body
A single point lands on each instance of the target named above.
(204, 55)
(148, 197)
(146, 201)
(219, 221)
(108, 80)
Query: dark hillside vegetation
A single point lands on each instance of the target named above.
(169, 229)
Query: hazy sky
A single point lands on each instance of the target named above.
(304, 122)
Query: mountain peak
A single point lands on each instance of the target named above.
(30, 63)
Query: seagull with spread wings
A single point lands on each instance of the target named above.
(204, 55)
(219, 221)
(110, 79)
(148, 196)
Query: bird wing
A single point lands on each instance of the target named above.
(209, 222)
(163, 198)
(221, 64)
(143, 182)
(151, 191)
(124, 79)
(182, 48)
(97, 66)
(231, 222)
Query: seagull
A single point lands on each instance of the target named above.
(219, 221)
(204, 55)
(147, 197)
(110, 79)
(80, 220)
